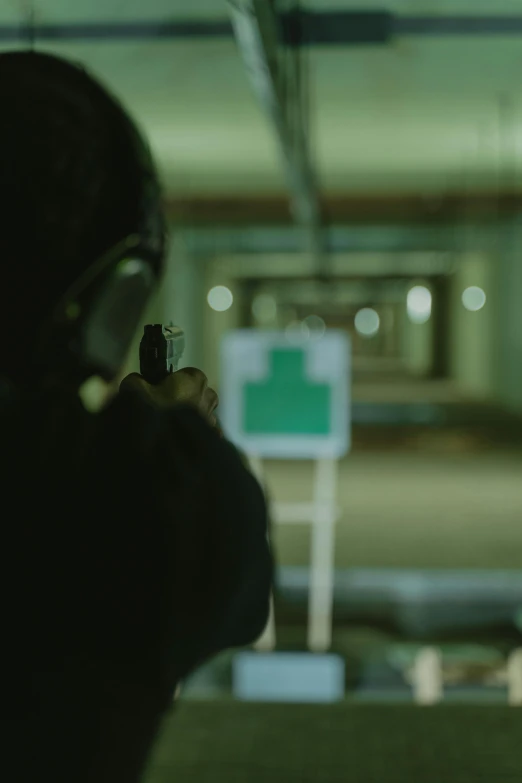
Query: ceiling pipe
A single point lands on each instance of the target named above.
(258, 35)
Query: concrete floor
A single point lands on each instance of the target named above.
(416, 508)
(264, 743)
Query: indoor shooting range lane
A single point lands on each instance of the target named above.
(413, 509)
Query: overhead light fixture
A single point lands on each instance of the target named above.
(264, 308)
(473, 298)
(367, 322)
(220, 298)
(418, 304)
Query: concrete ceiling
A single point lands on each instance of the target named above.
(420, 114)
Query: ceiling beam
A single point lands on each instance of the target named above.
(286, 266)
(242, 209)
(347, 28)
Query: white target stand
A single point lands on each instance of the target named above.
(288, 397)
(313, 676)
(322, 513)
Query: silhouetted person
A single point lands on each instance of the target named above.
(134, 541)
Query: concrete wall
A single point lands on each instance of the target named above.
(485, 346)
(508, 288)
(416, 341)
(472, 334)
(216, 324)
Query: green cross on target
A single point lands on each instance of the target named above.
(287, 402)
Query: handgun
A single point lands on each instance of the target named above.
(161, 349)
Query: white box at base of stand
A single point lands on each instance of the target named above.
(288, 677)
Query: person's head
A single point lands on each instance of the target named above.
(80, 209)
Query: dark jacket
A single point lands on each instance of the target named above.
(134, 548)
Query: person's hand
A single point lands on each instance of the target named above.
(188, 386)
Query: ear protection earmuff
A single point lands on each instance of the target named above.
(95, 322)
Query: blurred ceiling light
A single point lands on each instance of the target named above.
(418, 304)
(220, 298)
(367, 322)
(316, 325)
(264, 308)
(473, 298)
